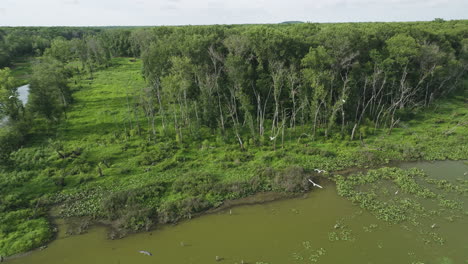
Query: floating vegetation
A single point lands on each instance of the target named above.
(406, 206)
(432, 238)
(397, 195)
(297, 256)
(312, 255)
(447, 186)
(333, 236)
(445, 260)
(342, 235)
(450, 204)
(370, 228)
(294, 210)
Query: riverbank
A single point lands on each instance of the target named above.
(318, 225)
(109, 170)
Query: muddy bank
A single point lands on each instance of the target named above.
(259, 198)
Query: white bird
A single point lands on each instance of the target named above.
(433, 226)
(343, 101)
(396, 192)
(145, 252)
(272, 138)
(319, 171)
(315, 185)
(11, 96)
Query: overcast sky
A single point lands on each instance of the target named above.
(198, 12)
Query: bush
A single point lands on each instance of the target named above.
(168, 212)
(126, 209)
(22, 231)
(11, 138)
(194, 184)
(292, 179)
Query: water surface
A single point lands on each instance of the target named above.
(288, 231)
(23, 94)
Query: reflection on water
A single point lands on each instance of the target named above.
(23, 93)
(289, 231)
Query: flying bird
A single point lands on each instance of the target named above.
(315, 185)
(319, 171)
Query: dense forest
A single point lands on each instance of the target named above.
(336, 79)
(258, 94)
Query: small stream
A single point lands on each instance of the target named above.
(288, 231)
(23, 94)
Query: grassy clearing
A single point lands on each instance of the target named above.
(22, 69)
(99, 162)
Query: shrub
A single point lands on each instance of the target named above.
(11, 139)
(22, 230)
(194, 184)
(292, 179)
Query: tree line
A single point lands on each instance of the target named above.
(261, 82)
(254, 83)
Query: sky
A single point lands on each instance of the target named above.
(202, 12)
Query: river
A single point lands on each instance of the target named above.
(287, 231)
(23, 94)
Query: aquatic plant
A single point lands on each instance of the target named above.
(333, 236)
(370, 228)
(394, 208)
(307, 244)
(412, 201)
(445, 260)
(297, 256)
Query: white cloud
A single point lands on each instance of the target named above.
(179, 12)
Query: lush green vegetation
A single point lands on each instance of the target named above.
(17, 42)
(220, 112)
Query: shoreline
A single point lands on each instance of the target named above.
(253, 199)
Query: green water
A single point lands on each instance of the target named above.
(288, 231)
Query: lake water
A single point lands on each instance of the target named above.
(288, 231)
(23, 93)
